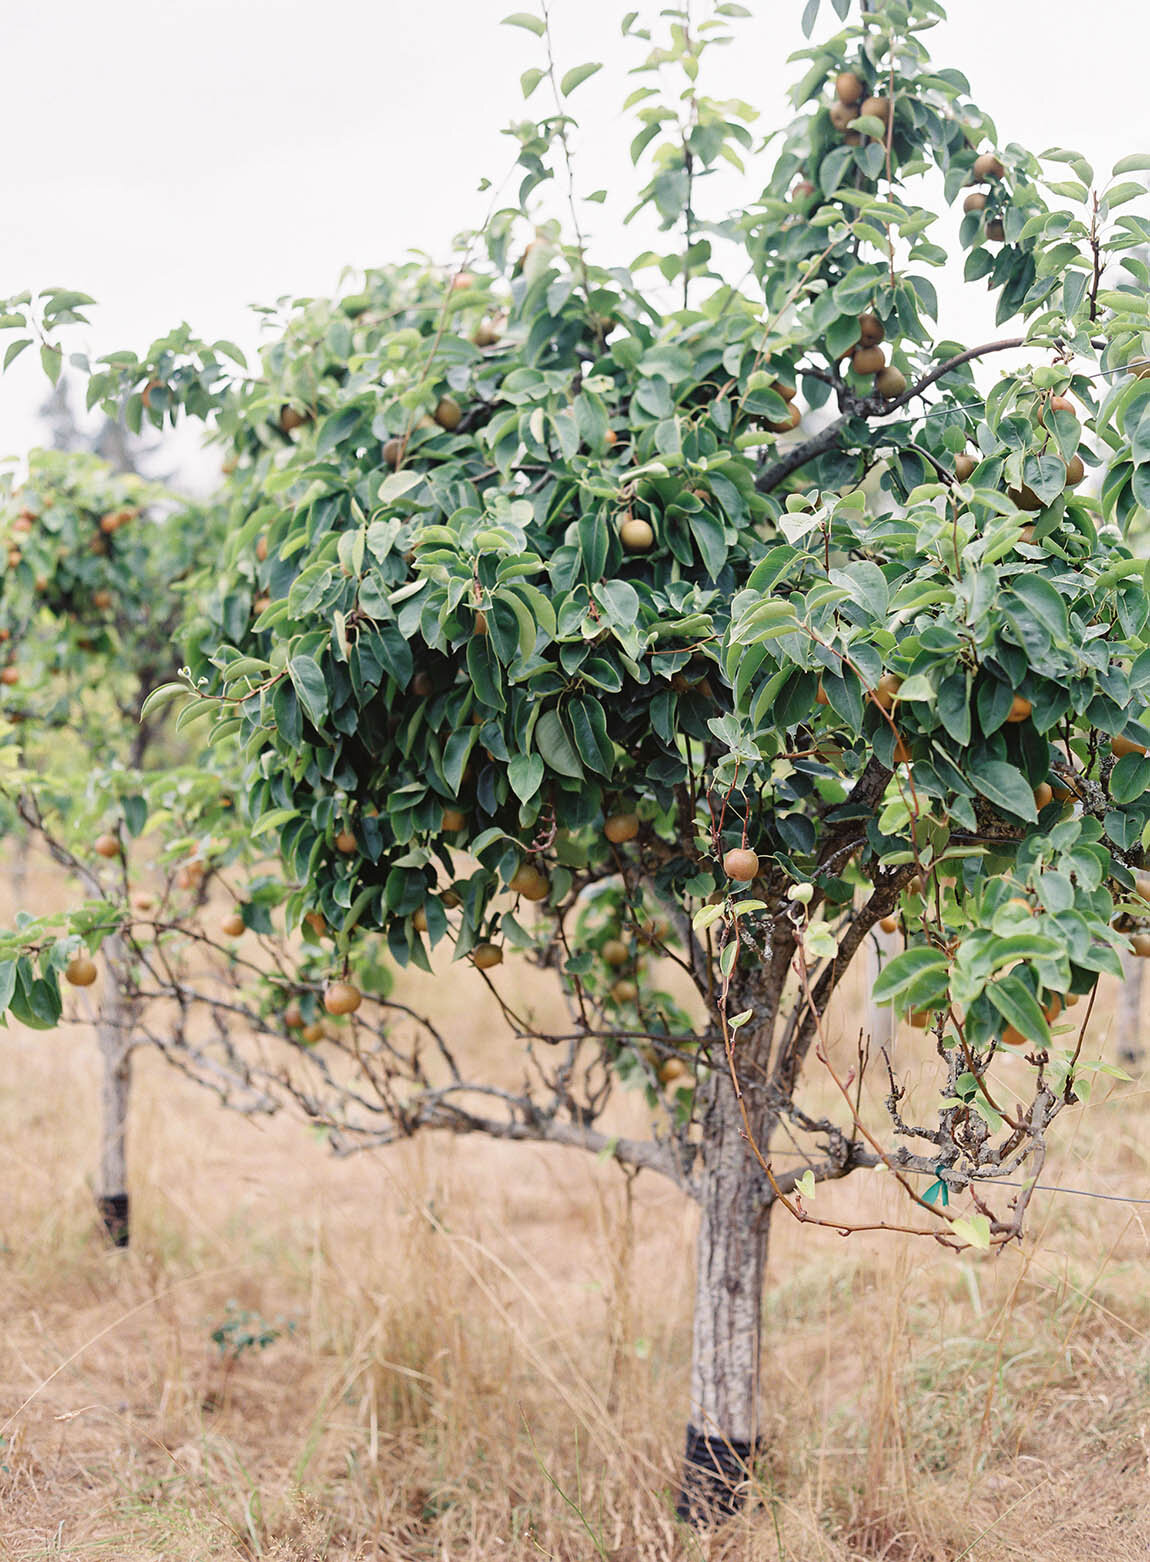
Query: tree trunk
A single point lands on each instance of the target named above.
(1129, 1026)
(115, 1041)
(723, 1428)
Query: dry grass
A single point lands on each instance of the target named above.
(487, 1359)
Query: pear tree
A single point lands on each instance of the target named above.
(699, 615)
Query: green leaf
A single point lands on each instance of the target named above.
(311, 687)
(51, 358)
(525, 773)
(1005, 786)
(973, 1229)
(14, 349)
(1019, 1007)
(1045, 604)
(160, 696)
(1132, 164)
(530, 79)
(576, 76)
(526, 20)
(7, 983)
(273, 820)
(1130, 778)
(922, 970)
(556, 747)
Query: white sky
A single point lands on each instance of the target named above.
(183, 159)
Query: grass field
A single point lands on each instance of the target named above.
(481, 1349)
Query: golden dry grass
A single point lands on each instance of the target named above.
(487, 1359)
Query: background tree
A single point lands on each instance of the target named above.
(527, 591)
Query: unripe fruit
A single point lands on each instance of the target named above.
(529, 882)
(890, 382)
(615, 952)
(987, 166)
(293, 1016)
(393, 452)
(10, 675)
(419, 920)
(670, 1070)
(1140, 944)
(868, 360)
(1024, 497)
(741, 864)
(995, 231)
(964, 466)
(842, 114)
(261, 548)
(346, 843)
(485, 334)
(624, 991)
(889, 924)
(848, 87)
(871, 330)
(975, 201)
(448, 413)
(232, 925)
(290, 419)
(1121, 746)
(886, 690)
(342, 998)
(784, 425)
(1043, 794)
(636, 535)
(876, 108)
(80, 971)
(487, 955)
(621, 827)
(313, 1033)
(317, 922)
(106, 846)
(453, 819)
(1075, 471)
(1019, 709)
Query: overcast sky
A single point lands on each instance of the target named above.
(183, 159)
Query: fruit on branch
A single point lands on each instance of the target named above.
(233, 924)
(146, 393)
(486, 956)
(392, 452)
(802, 190)
(313, 1033)
(346, 842)
(868, 360)
(987, 166)
(448, 413)
(1120, 746)
(317, 922)
(871, 330)
(419, 920)
(821, 695)
(636, 535)
(106, 846)
(780, 388)
(741, 864)
(1024, 497)
(842, 114)
(529, 882)
(849, 88)
(784, 425)
(672, 1069)
(615, 952)
(1043, 794)
(291, 419)
(919, 1019)
(964, 466)
(889, 924)
(890, 382)
(80, 971)
(486, 334)
(10, 675)
(102, 600)
(975, 201)
(142, 901)
(886, 690)
(1051, 1011)
(453, 819)
(261, 548)
(876, 108)
(293, 1016)
(1140, 945)
(621, 827)
(1020, 708)
(995, 232)
(901, 754)
(423, 685)
(1075, 471)
(341, 998)
(624, 991)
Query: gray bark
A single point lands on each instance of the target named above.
(114, 1037)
